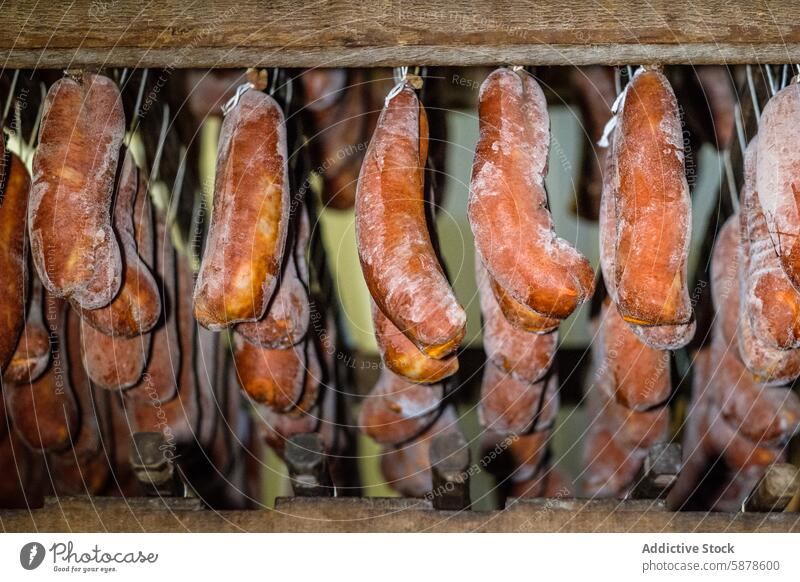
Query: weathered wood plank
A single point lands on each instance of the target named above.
(383, 515)
(206, 33)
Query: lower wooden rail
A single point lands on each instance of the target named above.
(81, 514)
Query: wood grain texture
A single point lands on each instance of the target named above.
(349, 514)
(207, 33)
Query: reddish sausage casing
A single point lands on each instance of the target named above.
(249, 223)
(72, 241)
(400, 265)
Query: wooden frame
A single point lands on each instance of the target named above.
(351, 514)
(366, 33)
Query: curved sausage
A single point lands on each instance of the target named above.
(114, 363)
(510, 406)
(738, 451)
(514, 231)
(44, 412)
(249, 222)
(13, 258)
(778, 176)
(73, 245)
(32, 354)
(639, 376)
(520, 315)
(272, 377)
(725, 280)
(405, 359)
(769, 365)
(631, 428)
(398, 260)
(770, 300)
(396, 410)
(527, 356)
(696, 449)
(653, 208)
(288, 315)
(660, 337)
(761, 413)
(137, 307)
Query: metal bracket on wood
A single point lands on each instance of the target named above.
(308, 466)
(659, 472)
(449, 459)
(776, 488)
(153, 468)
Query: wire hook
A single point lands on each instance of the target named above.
(751, 84)
(234, 101)
(38, 122)
(10, 98)
(139, 97)
(732, 190)
(739, 122)
(399, 74)
(770, 80)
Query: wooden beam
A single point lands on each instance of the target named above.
(366, 33)
(348, 514)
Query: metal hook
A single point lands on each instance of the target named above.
(18, 119)
(395, 90)
(177, 188)
(37, 123)
(753, 95)
(10, 98)
(139, 96)
(234, 101)
(604, 142)
(739, 123)
(289, 92)
(784, 76)
(770, 80)
(618, 80)
(726, 159)
(274, 85)
(162, 138)
(399, 74)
